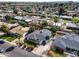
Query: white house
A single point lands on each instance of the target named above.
(72, 26)
(26, 18)
(66, 17)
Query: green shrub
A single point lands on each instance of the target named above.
(30, 42)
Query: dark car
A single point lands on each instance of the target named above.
(10, 49)
(2, 42)
(29, 49)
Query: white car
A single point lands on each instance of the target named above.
(72, 55)
(1, 50)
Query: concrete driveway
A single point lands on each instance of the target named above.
(42, 50)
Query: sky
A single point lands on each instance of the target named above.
(34, 0)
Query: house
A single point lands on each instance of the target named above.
(66, 17)
(68, 42)
(18, 17)
(77, 10)
(71, 13)
(2, 33)
(2, 15)
(39, 36)
(52, 23)
(26, 18)
(39, 21)
(72, 26)
(57, 24)
(8, 11)
(10, 26)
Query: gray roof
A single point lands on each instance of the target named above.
(68, 17)
(21, 17)
(37, 35)
(68, 40)
(72, 25)
(38, 21)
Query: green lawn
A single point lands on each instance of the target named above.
(29, 42)
(66, 21)
(8, 38)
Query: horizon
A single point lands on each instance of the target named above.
(37, 0)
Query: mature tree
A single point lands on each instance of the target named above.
(54, 29)
(75, 20)
(8, 18)
(19, 36)
(15, 11)
(61, 11)
(4, 28)
(55, 4)
(56, 19)
(44, 23)
(30, 30)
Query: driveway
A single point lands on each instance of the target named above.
(42, 50)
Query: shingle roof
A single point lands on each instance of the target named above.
(69, 40)
(37, 35)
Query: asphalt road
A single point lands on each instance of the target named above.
(18, 52)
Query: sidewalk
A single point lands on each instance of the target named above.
(21, 39)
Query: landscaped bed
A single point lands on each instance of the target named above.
(8, 38)
(56, 54)
(30, 43)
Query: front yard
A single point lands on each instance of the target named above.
(8, 38)
(30, 42)
(56, 54)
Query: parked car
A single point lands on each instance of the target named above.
(2, 42)
(10, 49)
(72, 55)
(1, 50)
(29, 49)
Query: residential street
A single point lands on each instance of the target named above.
(16, 52)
